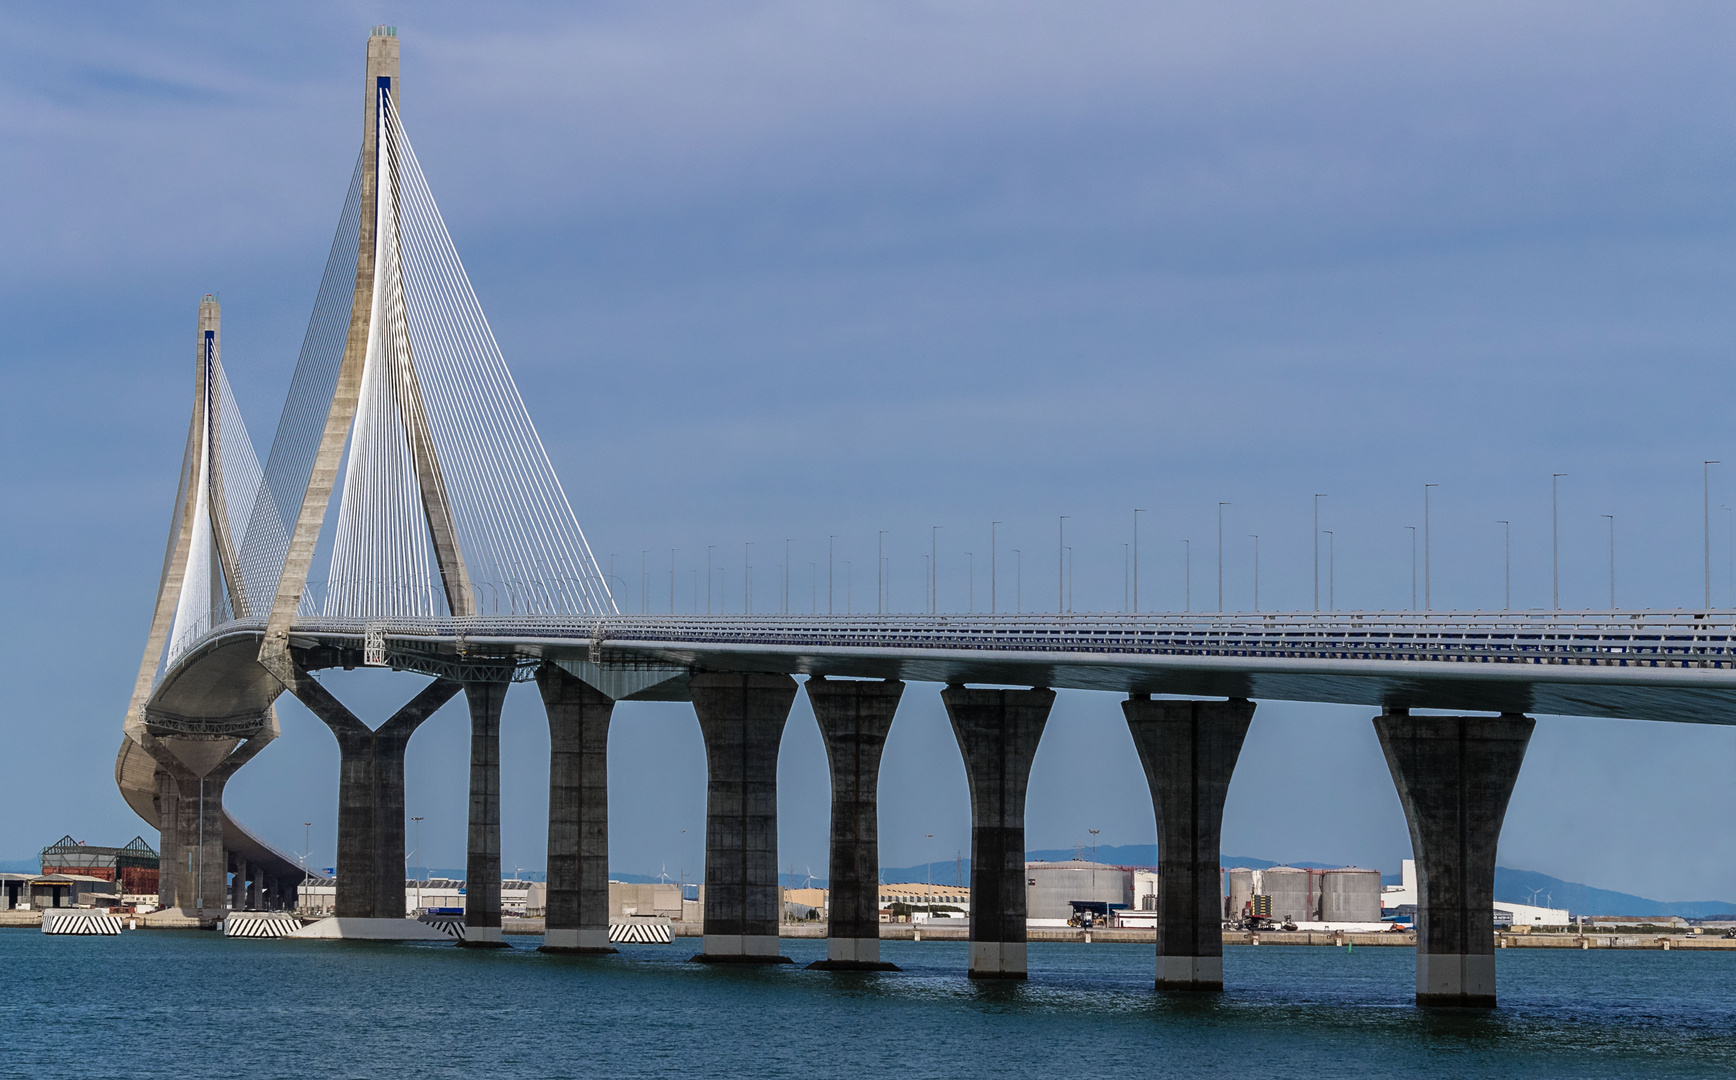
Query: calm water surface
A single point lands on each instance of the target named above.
(191, 1004)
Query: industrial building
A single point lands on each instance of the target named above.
(923, 895)
(133, 867)
(1401, 900)
(24, 892)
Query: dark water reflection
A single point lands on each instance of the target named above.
(196, 1005)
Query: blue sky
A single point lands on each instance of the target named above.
(789, 270)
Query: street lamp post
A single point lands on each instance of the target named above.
(933, 569)
(1428, 563)
(1221, 506)
(1706, 485)
(1507, 547)
(1331, 571)
(1187, 575)
(1555, 536)
(1136, 514)
(879, 571)
(1061, 567)
(994, 561)
(1317, 497)
(1069, 579)
(1256, 537)
(418, 822)
(1611, 518)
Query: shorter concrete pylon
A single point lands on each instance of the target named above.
(854, 717)
(1455, 775)
(577, 918)
(741, 717)
(191, 774)
(370, 863)
(1189, 750)
(482, 860)
(998, 732)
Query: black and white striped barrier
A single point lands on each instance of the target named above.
(81, 922)
(640, 930)
(450, 925)
(260, 924)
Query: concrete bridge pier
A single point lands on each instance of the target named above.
(370, 862)
(578, 866)
(482, 862)
(741, 717)
(1454, 776)
(997, 732)
(854, 718)
(1189, 750)
(193, 872)
(196, 880)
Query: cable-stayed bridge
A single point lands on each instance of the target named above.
(454, 551)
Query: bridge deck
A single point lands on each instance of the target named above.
(1651, 665)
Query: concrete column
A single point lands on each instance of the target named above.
(578, 884)
(1189, 750)
(742, 720)
(1454, 776)
(482, 863)
(997, 732)
(202, 864)
(192, 872)
(854, 718)
(170, 858)
(370, 861)
(237, 882)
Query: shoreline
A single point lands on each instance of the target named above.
(32, 920)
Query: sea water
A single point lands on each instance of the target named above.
(192, 1004)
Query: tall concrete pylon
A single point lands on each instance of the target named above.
(376, 308)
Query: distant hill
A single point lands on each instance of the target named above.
(1530, 887)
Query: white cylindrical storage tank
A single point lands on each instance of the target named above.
(1051, 887)
(1238, 889)
(1350, 895)
(1292, 892)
